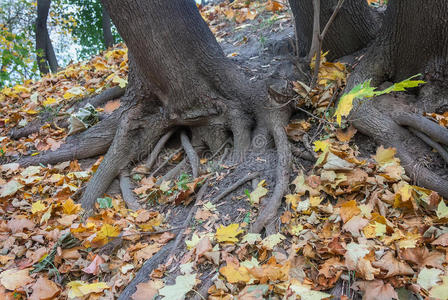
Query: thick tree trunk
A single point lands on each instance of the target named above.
(352, 29)
(412, 40)
(45, 53)
(107, 31)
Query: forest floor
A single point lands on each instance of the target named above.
(351, 224)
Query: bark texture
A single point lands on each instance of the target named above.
(352, 29)
(107, 30)
(45, 53)
(412, 40)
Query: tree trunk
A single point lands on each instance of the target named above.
(352, 29)
(412, 40)
(107, 32)
(45, 53)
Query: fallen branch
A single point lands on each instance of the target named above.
(164, 163)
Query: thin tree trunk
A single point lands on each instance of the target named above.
(107, 32)
(353, 28)
(46, 57)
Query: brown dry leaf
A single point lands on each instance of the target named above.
(147, 252)
(203, 247)
(19, 224)
(348, 210)
(111, 106)
(331, 267)
(375, 290)
(147, 290)
(253, 292)
(346, 135)
(354, 225)
(393, 266)
(441, 240)
(13, 279)
(366, 269)
(94, 266)
(44, 289)
(422, 257)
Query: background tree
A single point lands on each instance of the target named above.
(46, 58)
(93, 29)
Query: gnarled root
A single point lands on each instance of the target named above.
(94, 141)
(386, 129)
(137, 130)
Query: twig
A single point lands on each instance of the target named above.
(191, 153)
(318, 37)
(159, 146)
(219, 150)
(235, 186)
(126, 191)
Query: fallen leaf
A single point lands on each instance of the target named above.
(234, 273)
(184, 284)
(13, 279)
(393, 266)
(10, 188)
(427, 278)
(375, 290)
(147, 290)
(19, 224)
(94, 266)
(422, 257)
(228, 233)
(44, 289)
(440, 291)
(81, 288)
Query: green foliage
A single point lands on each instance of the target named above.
(88, 30)
(105, 202)
(17, 41)
(365, 90)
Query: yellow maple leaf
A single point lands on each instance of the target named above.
(259, 192)
(37, 206)
(323, 146)
(235, 274)
(69, 207)
(49, 101)
(107, 231)
(228, 233)
(81, 288)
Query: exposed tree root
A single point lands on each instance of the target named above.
(234, 186)
(173, 172)
(385, 119)
(180, 235)
(162, 165)
(159, 146)
(270, 206)
(96, 101)
(191, 154)
(137, 130)
(92, 142)
(439, 148)
(145, 271)
(126, 191)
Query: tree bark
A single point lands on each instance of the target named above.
(352, 29)
(107, 31)
(412, 40)
(45, 53)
